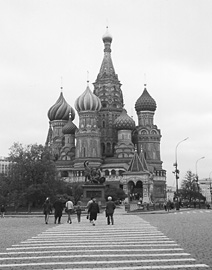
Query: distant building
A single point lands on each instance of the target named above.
(107, 138)
(4, 165)
(170, 192)
(206, 188)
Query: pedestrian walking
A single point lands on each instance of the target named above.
(110, 207)
(78, 211)
(58, 210)
(165, 205)
(69, 210)
(87, 206)
(47, 209)
(168, 205)
(3, 210)
(93, 210)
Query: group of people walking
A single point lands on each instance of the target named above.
(92, 210)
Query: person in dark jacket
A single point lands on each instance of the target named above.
(47, 209)
(3, 210)
(93, 210)
(78, 211)
(58, 210)
(110, 207)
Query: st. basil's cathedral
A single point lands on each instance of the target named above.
(128, 155)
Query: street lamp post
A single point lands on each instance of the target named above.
(210, 185)
(176, 172)
(196, 167)
(197, 183)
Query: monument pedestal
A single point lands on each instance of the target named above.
(95, 191)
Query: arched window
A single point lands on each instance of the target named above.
(64, 174)
(108, 147)
(103, 148)
(113, 172)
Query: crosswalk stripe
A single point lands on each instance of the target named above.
(144, 267)
(96, 251)
(94, 256)
(131, 244)
(128, 261)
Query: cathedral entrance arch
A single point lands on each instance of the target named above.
(139, 190)
(135, 190)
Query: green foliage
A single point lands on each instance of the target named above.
(190, 189)
(115, 193)
(32, 174)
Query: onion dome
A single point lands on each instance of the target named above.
(124, 121)
(145, 102)
(107, 37)
(88, 101)
(69, 127)
(60, 110)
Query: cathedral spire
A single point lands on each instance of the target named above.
(107, 71)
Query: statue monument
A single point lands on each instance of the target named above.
(94, 184)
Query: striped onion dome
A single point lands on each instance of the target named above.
(124, 121)
(145, 102)
(69, 127)
(88, 102)
(60, 110)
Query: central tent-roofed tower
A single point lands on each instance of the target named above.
(108, 88)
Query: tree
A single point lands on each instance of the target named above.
(115, 193)
(32, 174)
(4, 188)
(190, 189)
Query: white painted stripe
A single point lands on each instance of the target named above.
(178, 266)
(103, 238)
(97, 262)
(93, 256)
(71, 241)
(96, 251)
(88, 243)
(98, 240)
(93, 234)
(92, 229)
(93, 246)
(65, 231)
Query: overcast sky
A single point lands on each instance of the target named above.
(169, 41)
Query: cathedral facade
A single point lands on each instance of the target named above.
(107, 138)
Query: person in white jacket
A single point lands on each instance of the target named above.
(69, 209)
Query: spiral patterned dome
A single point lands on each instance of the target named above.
(88, 101)
(60, 110)
(69, 127)
(107, 37)
(145, 102)
(124, 121)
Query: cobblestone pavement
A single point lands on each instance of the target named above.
(132, 243)
(192, 229)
